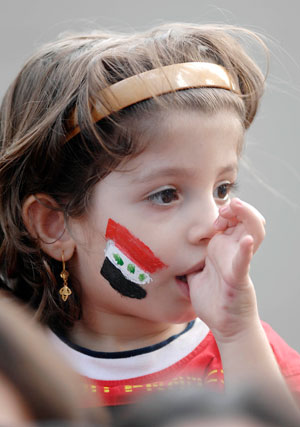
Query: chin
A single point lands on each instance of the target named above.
(185, 317)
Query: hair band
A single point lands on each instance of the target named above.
(156, 82)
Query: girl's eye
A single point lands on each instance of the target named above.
(223, 190)
(164, 197)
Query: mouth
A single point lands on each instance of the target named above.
(197, 268)
(182, 278)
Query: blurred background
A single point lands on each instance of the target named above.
(270, 176)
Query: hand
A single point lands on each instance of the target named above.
(223, 294)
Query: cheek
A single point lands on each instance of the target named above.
(128, 262)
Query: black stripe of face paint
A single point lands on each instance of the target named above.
(120, 283)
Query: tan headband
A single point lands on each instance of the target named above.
(159, 81)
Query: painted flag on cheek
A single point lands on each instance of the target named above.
(128, 262)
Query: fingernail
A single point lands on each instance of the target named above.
(238, 202)
(217, 220)
(224, 209)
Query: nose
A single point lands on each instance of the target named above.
(201, 228)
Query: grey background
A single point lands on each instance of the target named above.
(271, 181)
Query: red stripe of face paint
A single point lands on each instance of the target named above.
(132, 247)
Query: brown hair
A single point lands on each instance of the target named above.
(34, 123)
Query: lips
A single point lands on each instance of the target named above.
(197, 268)
(182, 278)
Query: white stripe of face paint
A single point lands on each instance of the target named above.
(127, 267)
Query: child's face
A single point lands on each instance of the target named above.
(168, 197)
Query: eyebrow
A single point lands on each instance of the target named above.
(179, 171)
(232, 167)
(168, 171)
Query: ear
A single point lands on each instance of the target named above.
(46, 223)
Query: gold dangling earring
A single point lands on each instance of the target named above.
(65, 291)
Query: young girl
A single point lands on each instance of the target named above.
(118, 157)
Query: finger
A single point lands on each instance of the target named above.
(221, 223)
(236, 203)
(252, 220)
(226, 211)
(227, 218)
(241, 261)
(229, 211)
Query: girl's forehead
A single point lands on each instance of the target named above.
(164, 130)
(163, 120)
(184, 138)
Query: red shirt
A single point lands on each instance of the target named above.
(202, 366)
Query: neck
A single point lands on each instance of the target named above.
(109, 332)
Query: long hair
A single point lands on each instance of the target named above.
(34, 123)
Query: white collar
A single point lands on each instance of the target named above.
(99, 368)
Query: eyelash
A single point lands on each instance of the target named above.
(167, 192)
(171, 192)
(230, 186)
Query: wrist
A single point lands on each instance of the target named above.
(239, 328)
(243, 336)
